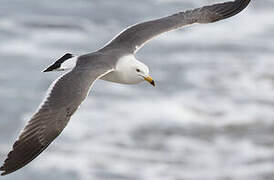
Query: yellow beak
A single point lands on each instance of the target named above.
(150, 80)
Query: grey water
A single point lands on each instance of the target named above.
(210, 117)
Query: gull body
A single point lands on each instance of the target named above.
(127, 69)
(115, 62)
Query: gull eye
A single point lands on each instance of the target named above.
(138, 70)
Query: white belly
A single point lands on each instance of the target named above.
(117, 77)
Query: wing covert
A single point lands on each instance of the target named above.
(134, 37)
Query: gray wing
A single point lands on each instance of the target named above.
(65, 96)
(136, 36)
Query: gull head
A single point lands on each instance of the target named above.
(140, 72)
(129, 70)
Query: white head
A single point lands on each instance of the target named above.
(133, 71)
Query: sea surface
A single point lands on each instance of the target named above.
(210, 117)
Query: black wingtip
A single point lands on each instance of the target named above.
(52, 67)
(5, 171)
(58, 63)
(66, 56)
(48, 69)
(236, 7)
(225, 10)
(2, 168)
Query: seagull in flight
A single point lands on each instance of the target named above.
(115, 62)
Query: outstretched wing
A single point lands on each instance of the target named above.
(64, 97)
(136, 36)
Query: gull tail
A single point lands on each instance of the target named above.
(66, 62)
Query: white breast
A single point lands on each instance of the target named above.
(124, 72)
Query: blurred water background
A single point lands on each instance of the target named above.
(209, 118)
